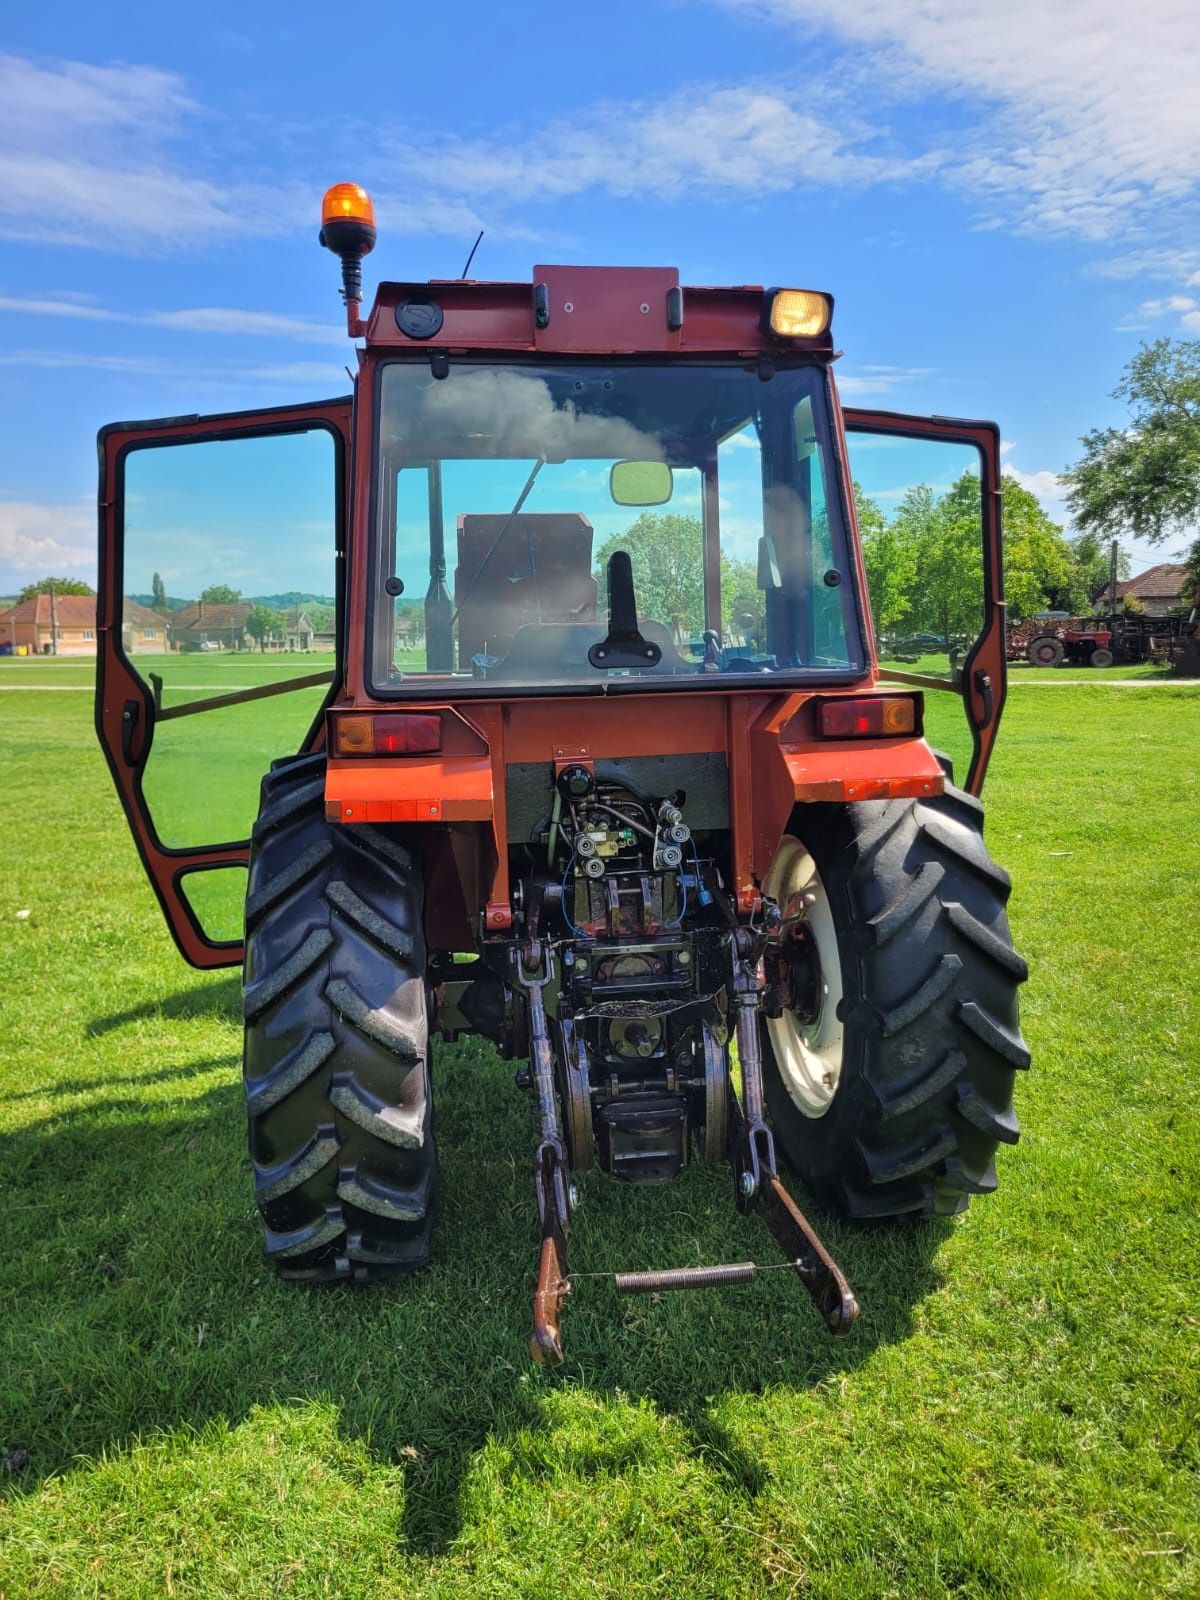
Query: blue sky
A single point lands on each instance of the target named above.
(1003, 199)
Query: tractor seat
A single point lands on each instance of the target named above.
(544, 651)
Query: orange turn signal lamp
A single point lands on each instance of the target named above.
(386, 733)
(875, 716)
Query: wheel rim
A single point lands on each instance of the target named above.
(808, 1050)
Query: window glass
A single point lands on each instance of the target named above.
(499, 524)
(920, 517)
(230, 545)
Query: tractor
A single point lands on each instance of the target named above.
(684, 856)
(1082, 643)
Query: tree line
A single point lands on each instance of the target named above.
(925, 562)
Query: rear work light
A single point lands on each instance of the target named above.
(873, 716)
(799, 313)
(387, 733)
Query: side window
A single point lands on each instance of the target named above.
(229, 552)
(830, 591)
(920, 518)
(747, 563)
(411, 567)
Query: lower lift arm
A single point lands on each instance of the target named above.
(750, 1148)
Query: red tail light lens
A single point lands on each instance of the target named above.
(874, 716)
(387, 733)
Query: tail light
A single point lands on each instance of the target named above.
(875, 716)
(386, 733)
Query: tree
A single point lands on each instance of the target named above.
(1145, 478)
(1038, 564)
(667, 553)
(946, 593)
(891, 563)
(1090, 572)
(220, 594)
(1191, 562)
(925, 567)
(59, 586)
(158, 593)
(263, 624)
(743, 608)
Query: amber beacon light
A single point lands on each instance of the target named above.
(348, 229)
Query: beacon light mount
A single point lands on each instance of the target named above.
(348, 229)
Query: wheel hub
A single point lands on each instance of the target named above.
(807, 1034)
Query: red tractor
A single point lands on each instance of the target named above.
(1079, 642)
(560, 791)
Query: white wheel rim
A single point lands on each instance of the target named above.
(808, 1054)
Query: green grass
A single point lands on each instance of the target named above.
(1021, 672)
(1015, 1415)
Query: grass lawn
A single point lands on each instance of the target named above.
(1016, 1413)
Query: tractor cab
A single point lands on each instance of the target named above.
(546, 703)
(719, 486)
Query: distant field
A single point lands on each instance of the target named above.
(1017, 1413)
(218, 670)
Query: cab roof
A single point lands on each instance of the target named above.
(582, 311)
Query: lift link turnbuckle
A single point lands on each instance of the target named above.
(533, 969)
(756, 1176)
(751, 1151)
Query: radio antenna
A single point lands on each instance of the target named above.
(471, 257)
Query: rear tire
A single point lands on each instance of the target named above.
(1045, 651)
(930, 1041)
(336, 1041)
(1101, 658)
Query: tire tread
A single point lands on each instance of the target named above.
(932, 1036)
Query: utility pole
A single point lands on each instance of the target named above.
(1112, 578)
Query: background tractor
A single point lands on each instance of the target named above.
(602, 769)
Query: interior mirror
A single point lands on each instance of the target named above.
(640, 483)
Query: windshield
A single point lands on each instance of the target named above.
(510, 497)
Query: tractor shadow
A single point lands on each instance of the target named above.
(140, 1302)
(209, 999)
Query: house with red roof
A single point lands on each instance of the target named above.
(65, 625)
(204, 625)
(1161, 590)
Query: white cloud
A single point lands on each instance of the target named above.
(87, 158)
(1181, 309)
(37, 539)
(112, 157)
(232, 375)
(866, 382)
(1045, 485)
(1085, 113)
(1169, 263)
(199, 319)
(261, 324)
(60, 307)
(721, 141)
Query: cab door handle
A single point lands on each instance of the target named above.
(131, 714)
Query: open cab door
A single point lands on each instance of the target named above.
(221, 581)
(928, 507)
